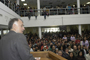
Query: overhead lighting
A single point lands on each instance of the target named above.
(28, 7)
(22, 0)
(73, 5)
(84, 5)
(88, 3)
(25, 4)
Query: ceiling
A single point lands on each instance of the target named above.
(33, 3)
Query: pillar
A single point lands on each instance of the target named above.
(79, 29)
(4, 1)
(18, 2)
(1, 33)
(78, 6)
(40, 33)
(38, 7)
(68, 28)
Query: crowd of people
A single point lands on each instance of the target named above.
(59, 9)
(69, 46)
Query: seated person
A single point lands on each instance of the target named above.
(71, 56)
(44, 48)
(66, 54)
(64, 38)
(87, 56)
(75, 51)
(70, 49)
(72, 38)
(77, 41)
(60, 53)
(56, 51)
(53, 49)
(44, 44)
(81, 56)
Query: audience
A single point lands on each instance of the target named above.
(31, 50)
(56, 51)
(71, 56)
(46, 11)
(81, 56)
(72, 49)
(87, 56)
(85, 42)
(72, 38)
(75, 51)
(60, 53)
(77, 41)
(67, 45)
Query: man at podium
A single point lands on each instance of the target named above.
(13, 46)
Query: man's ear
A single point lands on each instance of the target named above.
(14, 26)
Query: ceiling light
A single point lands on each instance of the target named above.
(73, 5)
(22, 0)
(84, 5)
(88, 3)
(28, 7)
(25, 4)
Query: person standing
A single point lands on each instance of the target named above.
(29, 15)
(87, 56)
(85, 42)
(36, 14)
(45, 14)
(14, 46)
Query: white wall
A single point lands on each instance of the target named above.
(76, 19)
(6, 14)
(57, 20)
(50, 21)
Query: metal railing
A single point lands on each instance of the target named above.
(11, 5)
(54, 11)
(61, 11)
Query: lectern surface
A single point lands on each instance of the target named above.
(45, 59)
(47, 55)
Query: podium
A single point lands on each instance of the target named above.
(47, 55)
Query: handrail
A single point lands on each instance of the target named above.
(52, 11)
(58, 11)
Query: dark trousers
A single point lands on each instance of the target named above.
(44, 16)
(29, 16)
(35, 17)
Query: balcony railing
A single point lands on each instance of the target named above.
(61, 11)
(55, 11)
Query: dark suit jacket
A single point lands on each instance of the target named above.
(13, 46)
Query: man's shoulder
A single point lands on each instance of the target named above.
(14, 35)
(19, 34)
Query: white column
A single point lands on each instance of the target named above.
(1, 33)
(18, 2)
(88, 27)
(38, 7)
(4, 1)
(68, 28)
(40, 33)
(79, 29)
(78, 6)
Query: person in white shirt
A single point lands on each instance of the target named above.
(31, 50)
(70, 49)
(64, 37)
(72, 38)
(87, 56)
